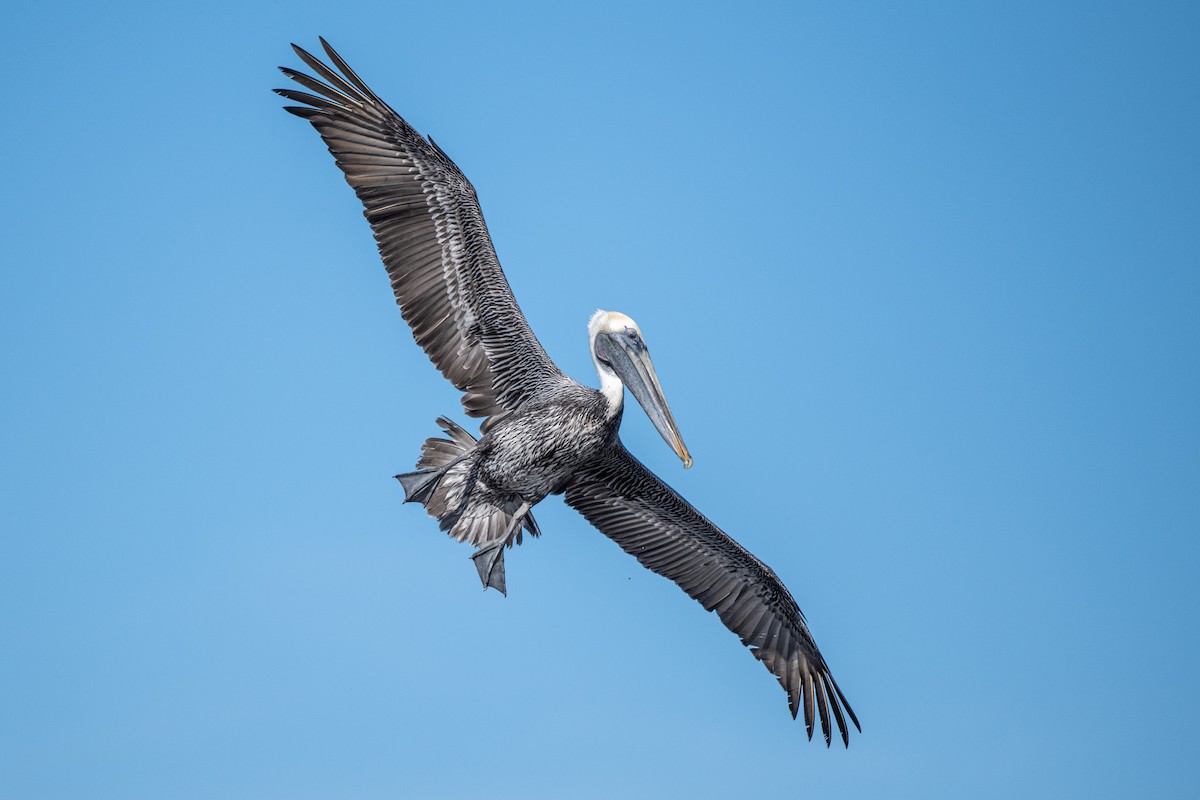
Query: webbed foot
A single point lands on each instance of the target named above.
(489, 560)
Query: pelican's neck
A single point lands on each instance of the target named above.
(611, 387)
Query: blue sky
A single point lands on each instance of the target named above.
(921, 282)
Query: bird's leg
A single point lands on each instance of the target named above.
(489, 558)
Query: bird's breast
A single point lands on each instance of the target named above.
(536, 451)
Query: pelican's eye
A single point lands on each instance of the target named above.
(633, 336)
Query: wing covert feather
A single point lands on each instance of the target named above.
(654, 524)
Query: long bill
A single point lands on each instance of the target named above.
(636, 371)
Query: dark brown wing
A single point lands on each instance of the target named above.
(433, 240)
(651, 522)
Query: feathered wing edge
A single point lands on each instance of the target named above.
(653, 523)
(432, 237)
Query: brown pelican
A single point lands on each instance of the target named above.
(542, 433)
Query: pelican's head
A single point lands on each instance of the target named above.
(622, 359)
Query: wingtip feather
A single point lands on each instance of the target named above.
(845, 703)
(303, 111)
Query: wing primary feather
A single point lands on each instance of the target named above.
(822, 709)
(791, 684)
(846, 704)
(316, 85)
(305, 97)
(335, 80)
(837, 709)
(780, 644)
(808, 704)
(350, 74)
(304, 112)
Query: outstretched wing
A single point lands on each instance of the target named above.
(433, 240)
(651, 522)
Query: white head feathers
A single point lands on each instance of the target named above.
(610, 385)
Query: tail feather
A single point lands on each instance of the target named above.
(437, 452)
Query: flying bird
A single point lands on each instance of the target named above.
(542, 432)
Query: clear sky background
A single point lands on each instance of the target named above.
(922, 284)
